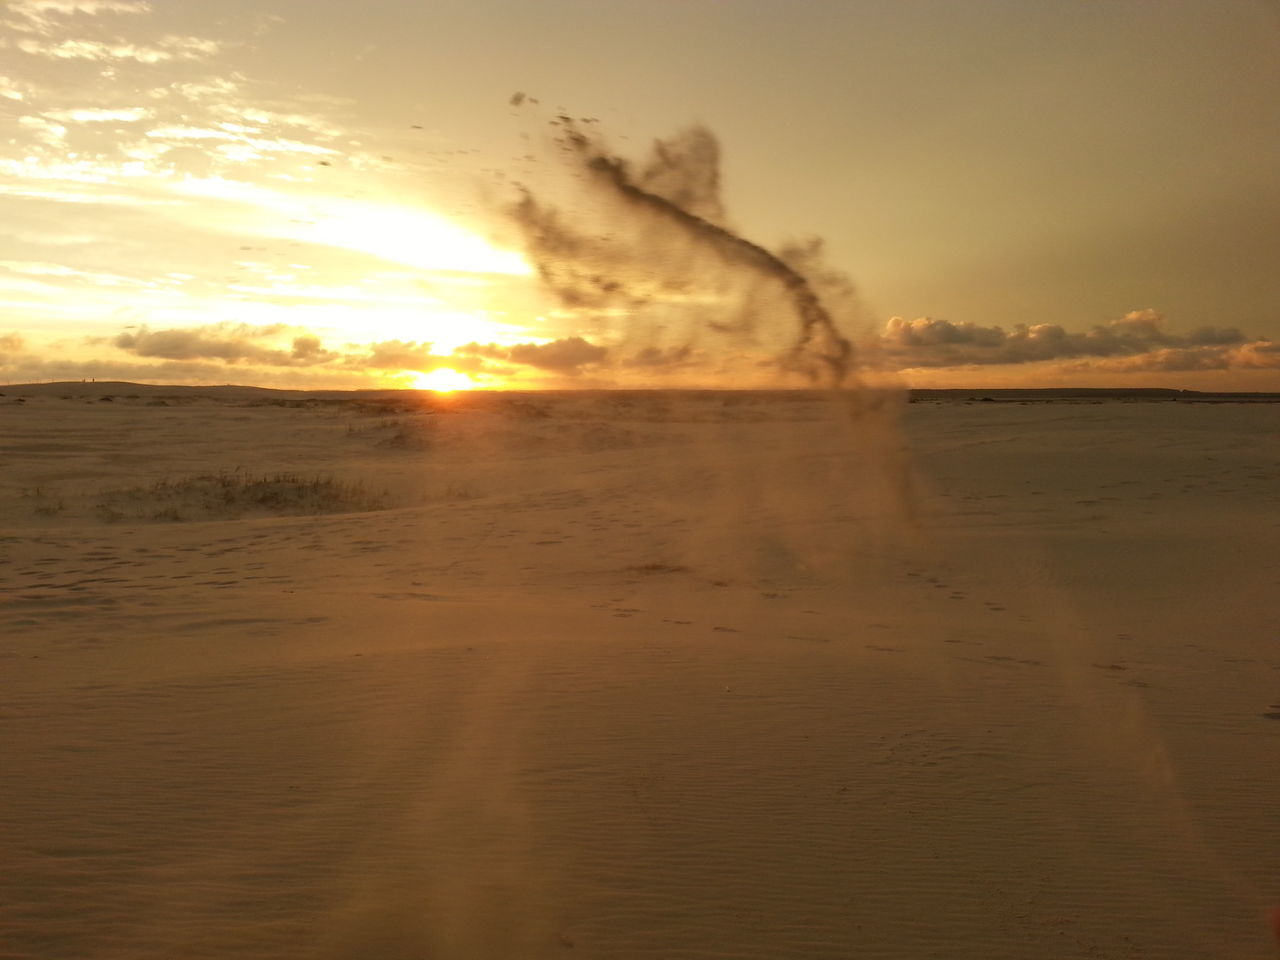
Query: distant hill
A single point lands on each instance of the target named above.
(117, 388)
(1090, 393)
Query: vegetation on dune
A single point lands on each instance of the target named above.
(220, 495)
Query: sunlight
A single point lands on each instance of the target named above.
(443, 380)
(405, 235)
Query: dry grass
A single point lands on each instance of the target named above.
(226, 495)
(44, 503)
(658, 568)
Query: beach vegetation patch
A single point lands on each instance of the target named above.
(225, 495)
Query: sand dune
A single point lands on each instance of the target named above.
(642, 675)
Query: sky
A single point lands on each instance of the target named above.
(315, 194)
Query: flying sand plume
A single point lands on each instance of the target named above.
(675, 251)
(644, 252)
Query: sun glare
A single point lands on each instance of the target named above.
(409, 236)
(443, 380)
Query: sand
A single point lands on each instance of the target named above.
(626, 676)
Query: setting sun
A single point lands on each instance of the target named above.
(443, 380)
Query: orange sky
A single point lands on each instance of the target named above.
(316, 195)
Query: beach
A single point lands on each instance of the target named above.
(636, 674)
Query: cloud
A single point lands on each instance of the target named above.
(566, 356)
(244, 344)
(46, 25)
(237, 144)
(1261, 354)
(30, 368)
(43, 16)
(398, 355)
(230, 343)
(99, 115)
(168, 48)
(1139, 337)
(308, 350)
(12, 89)
(558, 356)
(36, 268)
(1256, 355)
(656, 357)
(46, 131)
(273, 353)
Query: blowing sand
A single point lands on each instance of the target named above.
(627, 675)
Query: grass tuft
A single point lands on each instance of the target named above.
(217, 495)
(656, 568)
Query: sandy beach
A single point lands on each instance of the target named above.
(635, 675)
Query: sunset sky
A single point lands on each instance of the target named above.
(316, 194)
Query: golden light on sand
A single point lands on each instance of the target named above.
(443, 380)
(520, 565)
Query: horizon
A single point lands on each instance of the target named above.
(1115, 390)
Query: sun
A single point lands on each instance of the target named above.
(442, 380)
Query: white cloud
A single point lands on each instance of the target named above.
(247, 147)
(199, 90)
(46, 131)
(73, 189)
(269, 117)
(12, 89)
(171, 48)
(99, 114)
(189, 133)
(43, 16)
(56, 239)
(37, 268)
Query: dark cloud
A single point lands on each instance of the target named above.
(409, 355)
(243, 344)
(231, 343)
(657, 357)
(1139, 335)
(309, 350)
(566, 357)
(30, 368)
(558, 356)
(1257, 355)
